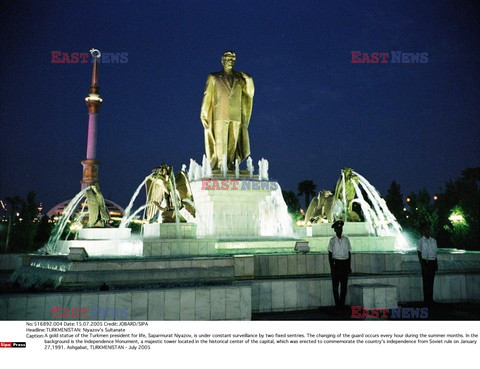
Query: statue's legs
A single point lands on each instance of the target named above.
(233, 131)
(226, 137)
(220, 129)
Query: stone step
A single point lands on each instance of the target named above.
(170, 277)
(37, 277)
(444, 265)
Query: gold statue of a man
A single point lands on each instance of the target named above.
(225, 114)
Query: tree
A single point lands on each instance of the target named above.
(22, 229)
(421, 212)
(29, 223)
(459, 211)
(13, 204)
(292, 201)
(44, 230)
(394, 200)
(307, 188)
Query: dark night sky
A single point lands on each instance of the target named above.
(314, 111)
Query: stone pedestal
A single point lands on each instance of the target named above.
(349, 229)
(77, 254)
(373, 295)
(170, 230)
(240, 209)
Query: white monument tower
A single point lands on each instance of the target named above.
(93, 100)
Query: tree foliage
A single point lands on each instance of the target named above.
(25, 232)
(461, 197)
(453, 215)
(421, 211)
(307, 188)
(394, 200)
(292, 201)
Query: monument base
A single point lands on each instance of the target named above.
(349, 229)
(240, 209)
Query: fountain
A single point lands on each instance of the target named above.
(228, 211)
(379, 221)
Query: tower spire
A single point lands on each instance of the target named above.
(93, 102)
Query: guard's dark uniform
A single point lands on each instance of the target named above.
(339, 250)
(427, 254)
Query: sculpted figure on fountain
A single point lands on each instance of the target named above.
(320, 208)
(167, 195)
(97, 211)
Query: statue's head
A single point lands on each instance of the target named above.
(349, 175)
(324, 194)
(228, 60)
(163, 170)
(348, 172)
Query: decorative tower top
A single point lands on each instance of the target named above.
(93, 97)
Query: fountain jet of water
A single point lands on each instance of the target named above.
(51, 246)
(173, 193)
(344, 194)
(130, 218)
(237, 169)
(126, 215)
(224, 166)
(250, 167)
(366, 209)
(385, 217)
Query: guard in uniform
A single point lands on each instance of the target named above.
(427, 255)
(339, 256)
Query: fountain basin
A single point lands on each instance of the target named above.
(129, 247)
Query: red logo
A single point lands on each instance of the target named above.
(13, 344)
